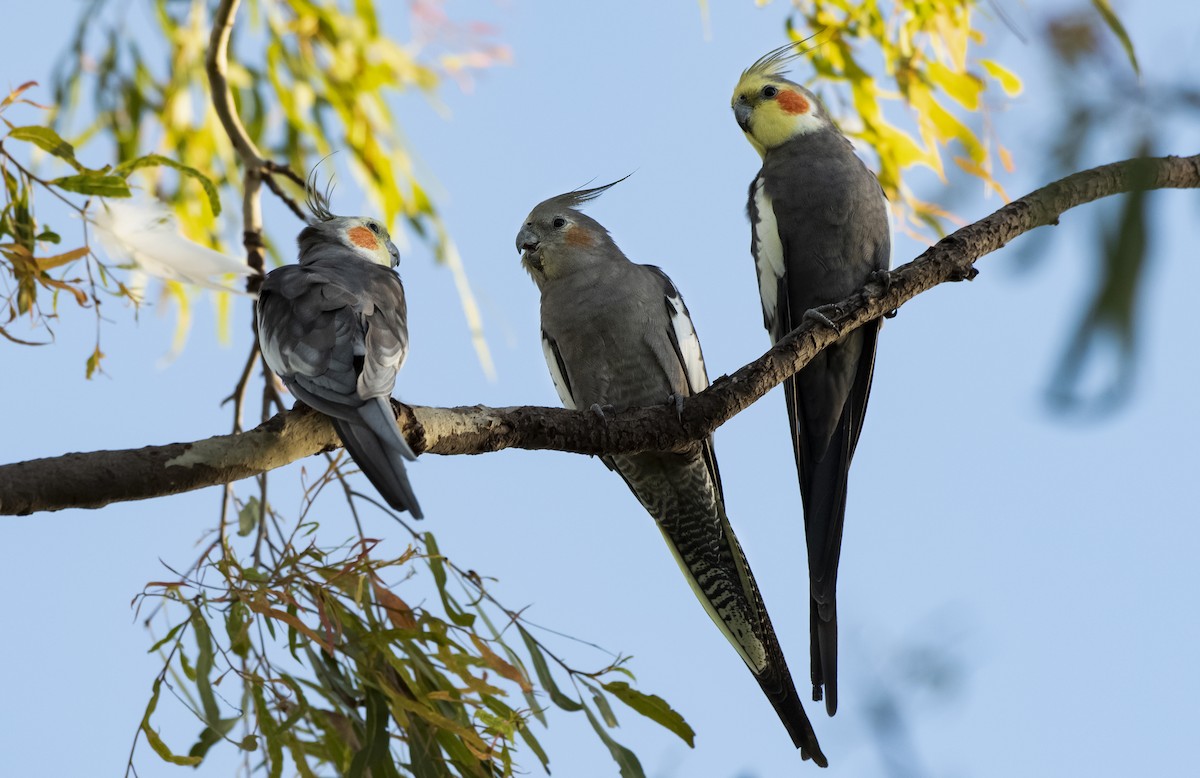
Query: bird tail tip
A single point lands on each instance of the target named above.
(823, 649)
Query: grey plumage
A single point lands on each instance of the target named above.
(334, 328)
(819, 230)
(618, 334)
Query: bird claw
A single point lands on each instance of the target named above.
(967, 274)
(821, 315)
(883, 278)
(677, 401)
(602, 411)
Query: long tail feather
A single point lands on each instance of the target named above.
(681, 493)
(382, 466)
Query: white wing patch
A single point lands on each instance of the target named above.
(768, 255)
(689, 344)
(560, 380)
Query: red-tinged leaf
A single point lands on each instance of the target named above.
(5, 333)
(15, 94)
(80, 295)
(263, 609)
(397, 609)
(499, 665)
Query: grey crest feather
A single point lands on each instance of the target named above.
(577, 197)
(775, 62)
(317, 201)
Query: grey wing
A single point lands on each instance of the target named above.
(338, 351)
(310, 336)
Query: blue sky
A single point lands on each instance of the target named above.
(1055, 560)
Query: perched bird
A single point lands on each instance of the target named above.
(819, 231)
(334, 328)
(617, 334)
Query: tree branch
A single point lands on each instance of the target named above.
(96, 479)
(216, 65)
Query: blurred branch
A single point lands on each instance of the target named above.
(216, 65)
(96, 479)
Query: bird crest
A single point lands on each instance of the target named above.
(316, 200)
(775, 62)
(577, 197)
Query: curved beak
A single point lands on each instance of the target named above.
(527, 246)
(395, 252)
(741, 112)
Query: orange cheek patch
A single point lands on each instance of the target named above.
(792, 102)
(361, 236)
(579, 237)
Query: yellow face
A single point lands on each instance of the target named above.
(772, 110)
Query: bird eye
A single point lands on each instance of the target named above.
(769, 91)
(559, 222)
(373, 227)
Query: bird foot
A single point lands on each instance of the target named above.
(825, 314)
(967, 274)
(602, 411)
(883, 278)
(677, 401)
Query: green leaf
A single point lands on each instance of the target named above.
(652, 707)
(248, 517)
(543, 673)
(166, 638)
(48, 140)
(527, 735)
(626, 760)
(100, 184)
(205, 660)
(93, 362)
(1110, 18)
(606, 711)
(237, 627)
(155, 741)
(157, 160)
(453, 610)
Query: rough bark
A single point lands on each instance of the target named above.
(95, 479)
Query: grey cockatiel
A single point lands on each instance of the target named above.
(819, 231)
(334, 328)
(618, 334)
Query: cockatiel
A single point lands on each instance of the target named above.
(819, 231)
(334, 328)
(618, 334)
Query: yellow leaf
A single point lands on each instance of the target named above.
(1008, 80)
(980, 172)
(964, 88)
(46, 263)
